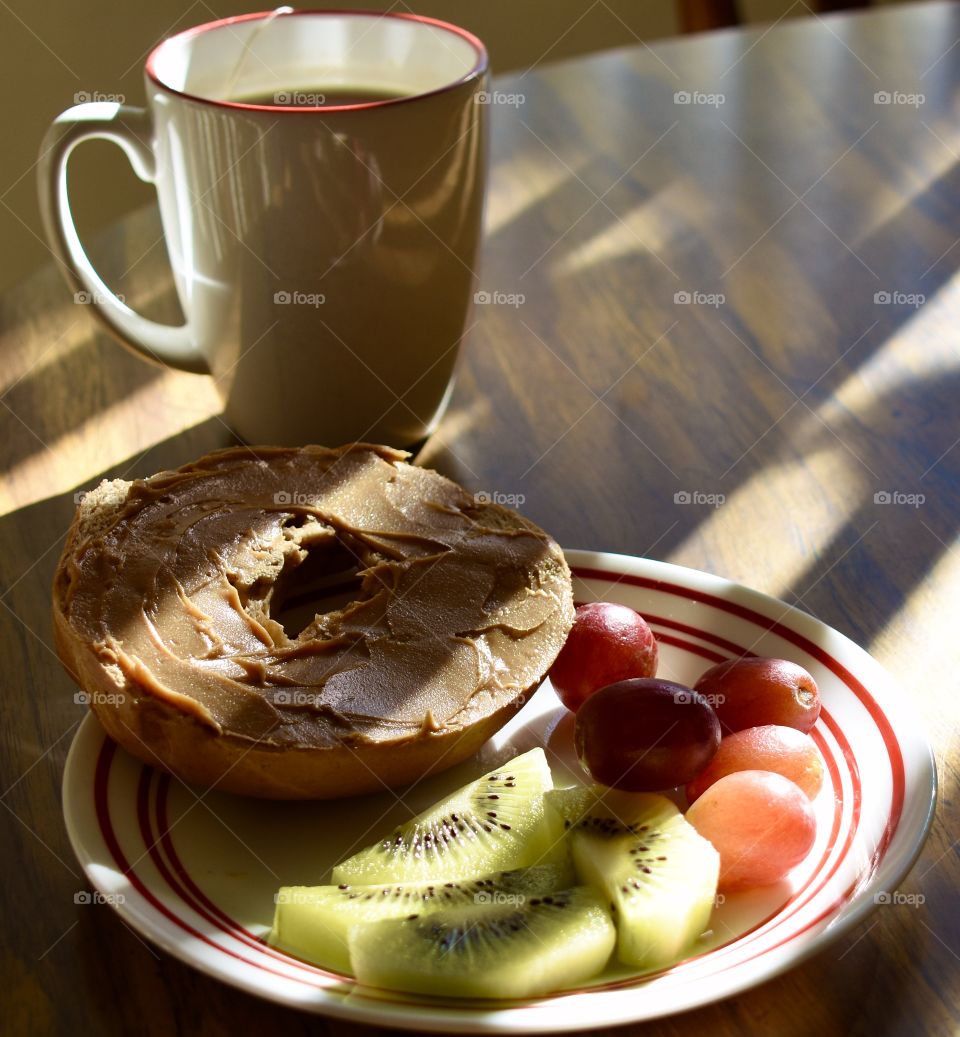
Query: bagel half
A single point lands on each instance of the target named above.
(168, 592)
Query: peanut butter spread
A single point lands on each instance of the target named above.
(174, 584)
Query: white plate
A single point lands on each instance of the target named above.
(196, 873)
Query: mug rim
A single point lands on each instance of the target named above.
(479, 68)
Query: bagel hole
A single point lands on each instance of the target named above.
(327, 580)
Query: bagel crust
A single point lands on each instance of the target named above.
(167, 597)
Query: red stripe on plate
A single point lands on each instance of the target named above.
(705, 653)
(684, 628)
(202, 903)
(104, 762)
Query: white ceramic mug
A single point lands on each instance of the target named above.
(323, 255)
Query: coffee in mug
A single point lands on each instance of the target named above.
(320, 177)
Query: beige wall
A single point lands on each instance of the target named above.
(52, 51)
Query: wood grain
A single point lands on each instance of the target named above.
(782, 199)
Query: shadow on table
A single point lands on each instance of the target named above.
(61, 945)
(905, 248)
(895, 534)
(903, 435)
(31, 540)
(78, 381)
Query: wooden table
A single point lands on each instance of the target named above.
(719, 297)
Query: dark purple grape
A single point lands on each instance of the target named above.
(646, 734)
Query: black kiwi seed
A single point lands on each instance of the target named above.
(343, 885)
(493, 796)
(506, 828)
(491, 813)
(410, 918)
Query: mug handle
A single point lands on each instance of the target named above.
(131, 128)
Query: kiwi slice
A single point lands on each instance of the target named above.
(312, 922)
(657, 873)
(504, 950)
(495, 823)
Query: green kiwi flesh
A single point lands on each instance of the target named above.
(657, 874)
(313, 922)
(507, 950)
(497, 823)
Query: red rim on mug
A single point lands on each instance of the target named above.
(479, 68)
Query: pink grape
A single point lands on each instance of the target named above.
(783, 750)
(752, 692)
(608, 643)
(760, 823)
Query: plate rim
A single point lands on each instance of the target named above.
(511, 1019)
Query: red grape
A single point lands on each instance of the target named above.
(783, 750)
(760, 823)
(607, 643)
(645, 734)
(754, 692)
